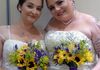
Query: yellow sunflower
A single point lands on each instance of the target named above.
(60, 56)
(31, 64)
(69, 57)
(21, 62)
(79, 59)
(89, 56)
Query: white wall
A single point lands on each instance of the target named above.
(87, 6)
(13, 11)
(3, 12)
(45, 17)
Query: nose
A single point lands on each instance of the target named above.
(35, 12)
(57, 8)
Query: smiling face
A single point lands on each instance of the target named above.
(30, 10)
(62, 10)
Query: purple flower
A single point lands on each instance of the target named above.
(43, 52)
(38, 53)
(89, 49)
(36, 59)
(16, 47)
(67, 49)
(57, 47)
(78, 46)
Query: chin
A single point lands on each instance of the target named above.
(32, 20)
(60, 18)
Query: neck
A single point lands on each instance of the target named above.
(70, 20)
(27, 25)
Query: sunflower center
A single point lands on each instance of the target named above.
(77, 59)
(22, 61)
(70, 55)
(31, 64)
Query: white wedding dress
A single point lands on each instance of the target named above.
(9, 46)
(54, 38)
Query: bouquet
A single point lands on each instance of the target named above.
(72, 54)
(29, 57)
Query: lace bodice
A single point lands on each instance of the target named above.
(56, 38)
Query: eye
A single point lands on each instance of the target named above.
(30, 6)
(59, 2)
(51, 8)
(39, 8)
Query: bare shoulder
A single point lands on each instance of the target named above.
(89, 21)
(89, 18)
(5, 27)
(4, 31)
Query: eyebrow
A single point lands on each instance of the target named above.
(58, 1)
(54, 3)
(34, 4)
(30, 3)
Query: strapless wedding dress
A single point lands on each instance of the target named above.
(54, 38)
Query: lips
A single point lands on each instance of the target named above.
(60, 13)
(32, 16)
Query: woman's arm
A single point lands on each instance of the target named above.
(98, 24)
(3, 32)
(96, 43)
(1, 50)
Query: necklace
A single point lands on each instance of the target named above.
(68, 21)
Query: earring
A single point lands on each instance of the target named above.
(74, 4)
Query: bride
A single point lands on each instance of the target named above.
(22, 32)
(68, 24)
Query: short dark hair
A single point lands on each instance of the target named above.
(20, 2)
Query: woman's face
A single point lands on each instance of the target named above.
(62, 10)
(31, 10)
